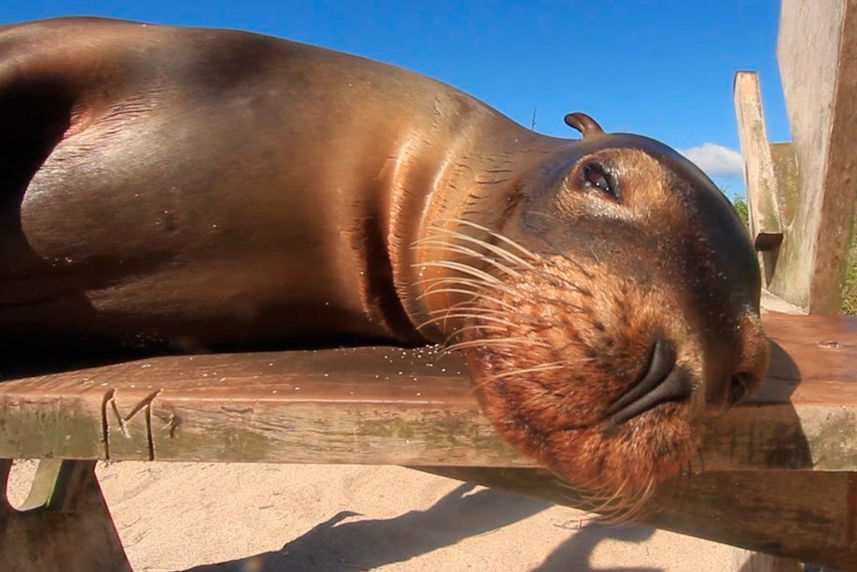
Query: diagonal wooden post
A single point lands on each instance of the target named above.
(766, 224)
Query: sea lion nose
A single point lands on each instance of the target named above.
(663, 381)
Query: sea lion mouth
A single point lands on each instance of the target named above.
(661, 382)
(598, 369)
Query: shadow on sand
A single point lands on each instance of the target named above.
(339, 545)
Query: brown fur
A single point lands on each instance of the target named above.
(552, 341)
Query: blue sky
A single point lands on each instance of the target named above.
(660, 68)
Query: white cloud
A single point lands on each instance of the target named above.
(716, 160)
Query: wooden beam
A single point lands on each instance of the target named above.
(395, 406)
(817, 52)
(775, 475)
(766, 228)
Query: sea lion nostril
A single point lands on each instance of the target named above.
(663, 381)
(661, 362)
(676, 387)
(740, 386)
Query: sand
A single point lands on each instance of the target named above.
(261, 517)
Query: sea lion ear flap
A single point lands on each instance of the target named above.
(583, 123)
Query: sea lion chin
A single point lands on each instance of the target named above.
(174, 189)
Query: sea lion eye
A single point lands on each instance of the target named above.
(595, 175)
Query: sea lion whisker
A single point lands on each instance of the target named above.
(636, 503)
(521, 371)
(496, 249)
(481, 327)
(460, 267)
(456, 311)
(446, 313)
(638, 506)
(535, 369)
(493, 233)
(616, 511)
(463, 281)
(461, 306)
(466, 315)
(496, 234)
(514, 291)
(467, 281)
(493, 342)
(592, 487)
(474, 295)
(457, 280)
(448, 247)
(597, 498)
(629, 507)
(454, 281)
(590, 492)
(606, 506)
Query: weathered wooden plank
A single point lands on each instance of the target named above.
(368, 405)
(788, 182)
(394, 406)
(765, 225)
(59, 417)
(802, 515)
(817, 52)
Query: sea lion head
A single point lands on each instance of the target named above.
(609, 313)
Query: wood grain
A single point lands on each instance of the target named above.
(777, 474)
(765, 223)
(397, 406)
(817, 53)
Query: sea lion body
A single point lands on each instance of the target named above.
(221, 187)
(168, 188)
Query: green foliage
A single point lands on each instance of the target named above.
(740, 205)
(849, 288)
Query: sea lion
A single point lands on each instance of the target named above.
(200, 189)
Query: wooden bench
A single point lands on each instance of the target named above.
(776, 475)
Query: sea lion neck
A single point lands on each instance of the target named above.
(472, 178)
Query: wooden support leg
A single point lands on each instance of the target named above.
(63, 524)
